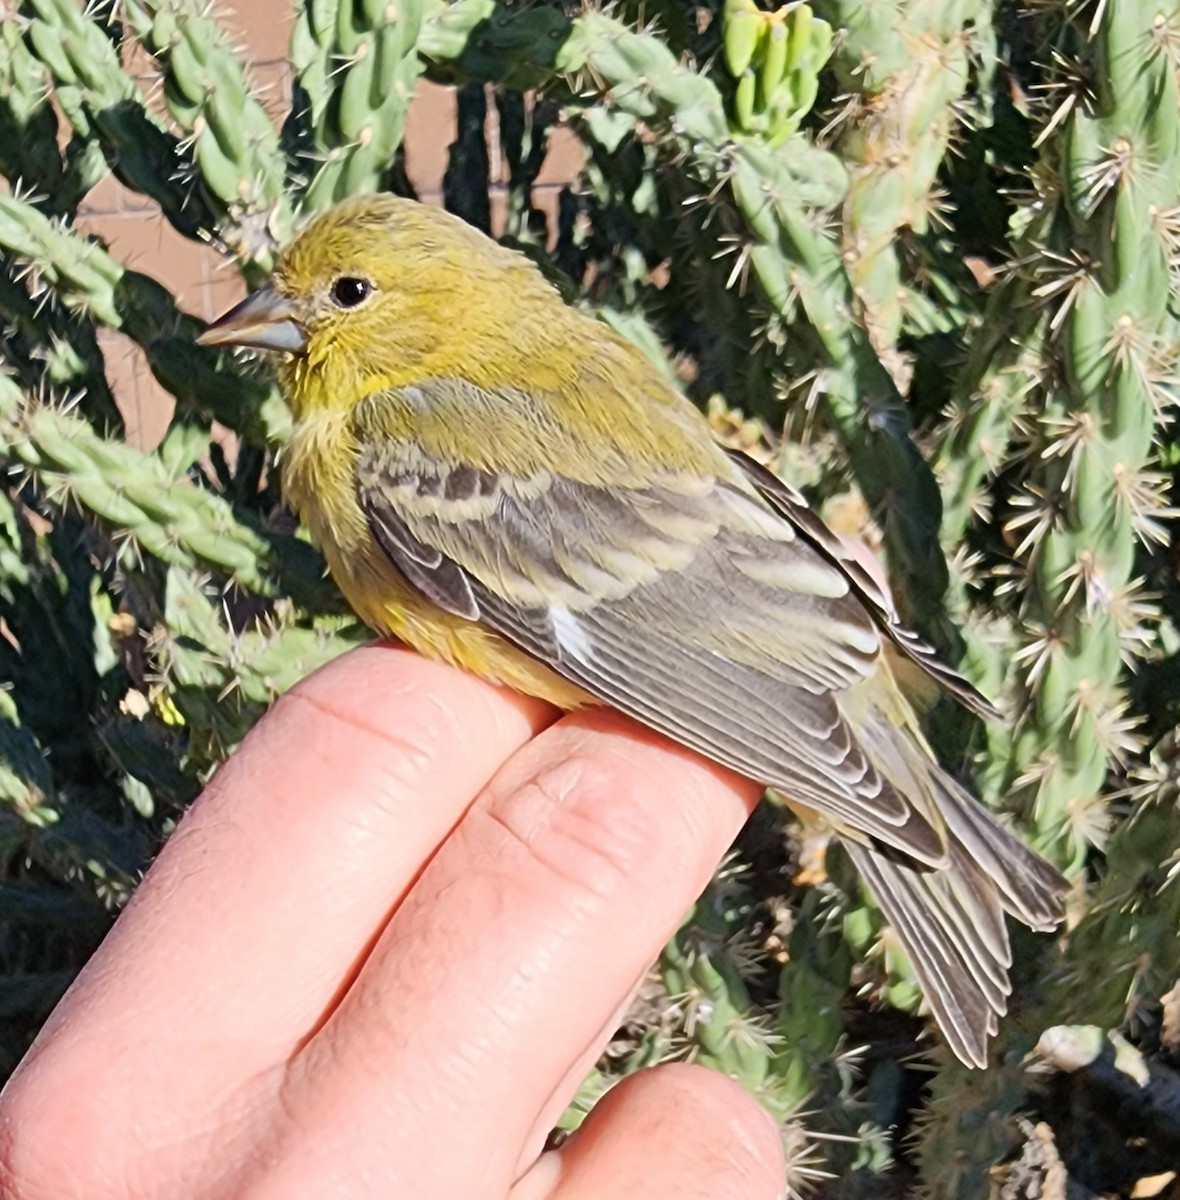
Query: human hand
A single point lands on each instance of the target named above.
(378, 956)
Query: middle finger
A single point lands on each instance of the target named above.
(537, 915)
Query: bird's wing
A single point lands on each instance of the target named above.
(685, 603)
(786, 501)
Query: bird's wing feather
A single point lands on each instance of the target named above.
(686, 604)
(791, 505)
(964, 978)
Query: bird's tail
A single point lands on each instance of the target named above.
(950, 920)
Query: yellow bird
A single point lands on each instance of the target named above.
(502, 482)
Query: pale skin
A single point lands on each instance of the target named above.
(379, 954)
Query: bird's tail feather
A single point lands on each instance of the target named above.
(1030, 889)
(950, 920)
(963, 973)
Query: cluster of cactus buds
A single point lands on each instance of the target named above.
(234, 142)
(357, 63)
(775, 59)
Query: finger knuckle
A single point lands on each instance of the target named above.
(41, 1126)
(581, 822)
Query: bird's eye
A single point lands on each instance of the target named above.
(348, 291)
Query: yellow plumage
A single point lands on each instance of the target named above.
(505, 484)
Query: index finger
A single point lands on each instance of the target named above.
(268, 896)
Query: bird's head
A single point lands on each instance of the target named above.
(374, 288)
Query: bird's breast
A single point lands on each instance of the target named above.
(319, 480)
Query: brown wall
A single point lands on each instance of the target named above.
(202, 280)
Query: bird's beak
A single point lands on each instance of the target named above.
(265, 320)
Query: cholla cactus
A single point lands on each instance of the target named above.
(232, 140)
(1092, 490)
(777, 205)
(357, 64)
(775, 59)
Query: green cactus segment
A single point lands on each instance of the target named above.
(157, 513)
(642, 76)
(775, 59)
(793, 257)
(84, 274)
(205, 663)
(1004, 369)
(969, 1125)
(1120, 958)
(484, 41)
(153, 514)
(357, 63)
(813, 986)
(779, 1046)
(991, 403)
(101, 101)
(1088, 498)
(721, 1026)
(29, 156)
(26, 781)
(1124, 954)
(90, 282)
(725, 1028)
(55, 659)
(47, 346)
(909, 63)
(234, 143)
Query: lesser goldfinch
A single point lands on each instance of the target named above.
(502, 482)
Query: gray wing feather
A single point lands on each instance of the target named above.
(733, 628)
(441, 581)
(786, 501)
(637, 637)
